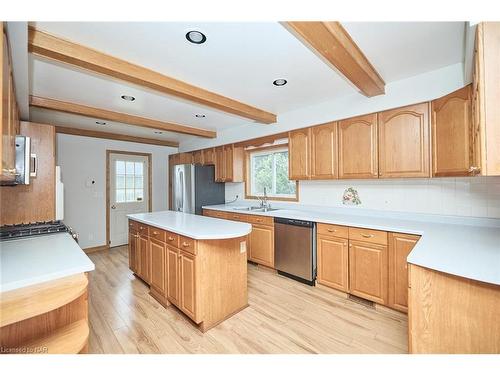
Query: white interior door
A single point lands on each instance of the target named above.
(129, 193)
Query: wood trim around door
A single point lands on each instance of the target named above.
(150, 185)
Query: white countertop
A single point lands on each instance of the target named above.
(194, 226)
(466, 247)
(34, 260)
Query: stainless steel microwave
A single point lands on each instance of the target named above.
(25, 162)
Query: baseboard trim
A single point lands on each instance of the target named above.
(89, 250)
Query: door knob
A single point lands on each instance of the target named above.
(113, 207)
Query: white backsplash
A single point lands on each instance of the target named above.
(464, 196)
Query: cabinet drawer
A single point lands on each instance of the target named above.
(143, 230)
(217, 214)
(133, 225)
(237, 217)
(172, 239)
(368, 235)
(333, 230)
(158, 234)
(187, 244)
(262, 220)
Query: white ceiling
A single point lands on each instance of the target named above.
(239, 60)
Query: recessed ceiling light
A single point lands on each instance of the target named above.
(200, 115)
(196, 37)
(158, 132)
(128, 98)
(279, 82)
(100, 123)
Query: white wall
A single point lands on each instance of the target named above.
(421, 88)
(83, 158)
(465, 196)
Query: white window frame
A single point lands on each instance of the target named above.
(250, 180)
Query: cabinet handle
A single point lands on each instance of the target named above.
(474, 170)
(332, 230)
(155, 233)
(170, 238)
(185, 244)
(9, 170)
(367, 235)
(345, 243)
(259, 220)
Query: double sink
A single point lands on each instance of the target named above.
(255, 209)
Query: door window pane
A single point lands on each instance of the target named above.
(129, 165)
(138, 169)
(120, 195)
(120, 181)
(120, 167)
(129, 186)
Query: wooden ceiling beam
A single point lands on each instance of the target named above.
(104, 114)
(46, 45)
(114, 136)
(335, 46)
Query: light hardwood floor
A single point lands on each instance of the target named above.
(284, 316)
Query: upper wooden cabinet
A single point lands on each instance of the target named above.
(451, 134)
(324, 151)
(9, 111)
(229, 164)
(198, 157)
(357, 147)
(485, 99)
(299, 161)
(209, 156)
(404, 142)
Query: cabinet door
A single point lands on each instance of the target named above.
(173, 257)
(145, 267)
(452, 134)
(220, 165)
(357, 144)
(158, 250)
(368, 271)
(404, 142)
(333, 263)
(262, 245)
(188, 285)
(228, 163)
(299, 143)
(209, 156)
(324, 151)
(198, 157)
(132, 251)
(400, 246)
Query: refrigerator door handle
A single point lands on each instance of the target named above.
(182, 185)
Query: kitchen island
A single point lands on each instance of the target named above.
(196, 263)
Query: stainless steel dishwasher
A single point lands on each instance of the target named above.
(295, 249)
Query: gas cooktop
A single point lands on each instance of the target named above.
(15, 231)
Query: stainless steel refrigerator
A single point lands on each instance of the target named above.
(194, 186)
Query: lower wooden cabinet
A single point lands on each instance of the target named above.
(188, 295)
(262, 245)
(144, 264)
(158, 265)
(333, 264)
(400, 246)
(132, 250)
(173, 255)
(368, 271)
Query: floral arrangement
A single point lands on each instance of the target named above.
(351, 197)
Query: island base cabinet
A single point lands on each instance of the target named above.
(158, 266)
(173, 255)
(132, 251)
(188, 274)
(333, 256)
(368, 271)
(452, 315)
(144, 263)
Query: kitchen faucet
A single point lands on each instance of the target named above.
(263, 201)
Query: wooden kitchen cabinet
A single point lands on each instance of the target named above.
(400, 246)
(229, 164)
(188, 295)
(452, 134)
(208, 156)
(261, 249)
(357, 147)
(173, 260)
(9, 111)
(132, 250)
(198, 157)
(158, 251)
(368, 271)
(299, 149)
(324, 151)
(333, 264)
(404, 142)
(485, 98)
(144, 268)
